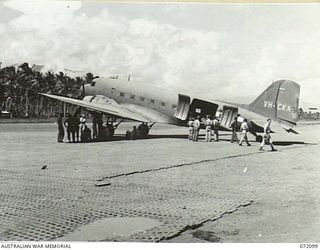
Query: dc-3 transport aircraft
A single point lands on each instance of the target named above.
(124, 100)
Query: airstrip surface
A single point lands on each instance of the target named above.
(162, 189)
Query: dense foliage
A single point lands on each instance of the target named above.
(20, 87)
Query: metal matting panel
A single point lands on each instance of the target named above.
(37, 206)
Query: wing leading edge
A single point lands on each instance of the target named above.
(111, 108)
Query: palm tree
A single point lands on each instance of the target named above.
(9, 84)
(22, 84)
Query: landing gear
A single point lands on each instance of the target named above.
(103, 132)
(258, 138)
(111, 127)
(138, 133)
(144, 128)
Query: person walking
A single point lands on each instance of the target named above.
(244, 129)
(215, 126)
(196, 128)
(234, 126)
(266, 136)
(208, 128)
(60, 128)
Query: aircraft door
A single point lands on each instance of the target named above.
(202, 108)
(228, 114)
(183, 107)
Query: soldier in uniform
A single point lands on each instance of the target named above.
(85, 134)
(215, 126)
(208, 128)
(190, 125)
(67, 125)
(234, 127)
(97, 123)
(60, 128)
(75, 126)
(196, 128)
(266, 136)
(244, 129)
(82, 122)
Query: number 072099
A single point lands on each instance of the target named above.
(308, 245)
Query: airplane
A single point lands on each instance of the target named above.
(120, 99)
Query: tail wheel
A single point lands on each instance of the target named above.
(258, 138)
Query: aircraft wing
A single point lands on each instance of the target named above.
(111, 108)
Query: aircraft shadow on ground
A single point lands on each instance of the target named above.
(123, 138)
(185, 137)
(288, 143)
(172, 136)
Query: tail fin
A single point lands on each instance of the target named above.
(280, 100)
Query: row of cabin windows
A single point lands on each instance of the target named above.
(143, 99)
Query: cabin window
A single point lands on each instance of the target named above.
(163, 103)
(142, 98)
(132, 97)
(152, 101)
(122, 94)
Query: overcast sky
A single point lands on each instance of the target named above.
(213, 50)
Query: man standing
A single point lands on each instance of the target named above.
(60, 128)
(215, 125)
(97, 123)
(75, 126)
(196, 128)
(234, 126)
(190, 125)
(266, 136)
(244, 129)
(208, 129)
(67, 125)
(82, 122)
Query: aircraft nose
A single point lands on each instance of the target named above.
(89, 90)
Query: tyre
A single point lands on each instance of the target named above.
(258, 138)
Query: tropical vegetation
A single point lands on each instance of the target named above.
(20, 88)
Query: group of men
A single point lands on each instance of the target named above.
(73, 124)
(212, 128)
(76, 128)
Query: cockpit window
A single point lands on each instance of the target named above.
(122, 94)
(142, 98)
(163, 103)
(132, 97)
(152, 101)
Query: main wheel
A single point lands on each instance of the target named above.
(258, 138)
(144, 129)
